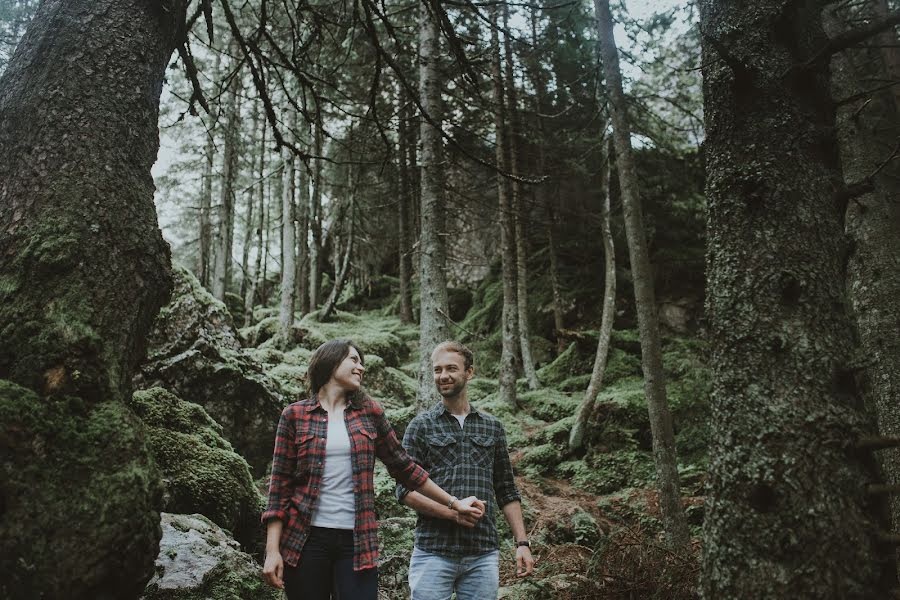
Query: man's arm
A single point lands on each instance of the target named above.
(524, 561)
(428, 507)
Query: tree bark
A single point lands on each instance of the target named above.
(674, 521)
(434, 304)
(286, 306)
(250, 298)
(404, 224)
(519, 213)
(246, 279)
(586, 409)
(509, 318)
(206, 194)
(342, 270)
(222, 274)
(315, 219)
(867, 136)
(787, 515)
(83, 273)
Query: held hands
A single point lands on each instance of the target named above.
(468, 511)
(273, 570)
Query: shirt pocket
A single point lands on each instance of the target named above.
(483, 450)
(306, 453)
(443, 450)
(362, 448)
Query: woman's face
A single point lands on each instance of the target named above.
(348, 374)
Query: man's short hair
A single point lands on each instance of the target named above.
(454, 346)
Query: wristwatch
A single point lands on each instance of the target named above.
(523, 543)
(452, 500)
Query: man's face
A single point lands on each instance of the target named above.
(450, 374)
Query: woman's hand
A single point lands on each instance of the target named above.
(273, 570)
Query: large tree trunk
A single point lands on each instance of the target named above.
(586, 409)
(404, 224)
(674, 521)
(434, 304)
(509, 318)
(286, 306)
(867, 134)
(787, 512)
(519, 213)
(221, 282)
(83, 272)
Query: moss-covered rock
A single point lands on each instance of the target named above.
(201, 471)
(390, 386)
(373, 332)
(195, 353)
(199, 561)
(399, 418)
(79, 498)
(543, 457)
(548, 404)
(567, 364)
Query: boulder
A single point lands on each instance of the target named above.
(194, 351)
(201, 472)
(79, 498)
(199, 561)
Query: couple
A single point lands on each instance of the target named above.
(321, 532)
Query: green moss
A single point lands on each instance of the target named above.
(556, 432)
(565, 365)
(291, 378)
(391, 386)
(373, 332)
(481, 387)
(202, 472)
(81, 494)
(543, 457)
(400, 418)
(548, 404)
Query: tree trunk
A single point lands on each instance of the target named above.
(510, 331)
(250, 298)
(342, 270)
(404, 224)
(225, 233)
(434, 304)
(286, 307)
(205, 267)
(867, 135)
(246, 280)
(787, 515)
(519, 214)
(545, 199)
(315, 220)
(83, 273)
(674, 521)
(586, 409)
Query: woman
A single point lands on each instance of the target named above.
(321, 533)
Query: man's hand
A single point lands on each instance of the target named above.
(273, 570)
(524, 561)
(470, 507)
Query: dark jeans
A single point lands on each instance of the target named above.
(325, 570)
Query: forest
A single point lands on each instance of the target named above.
(665, 228)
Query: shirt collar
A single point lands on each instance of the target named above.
(440, 408)
(312, 404)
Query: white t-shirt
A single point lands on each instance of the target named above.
(461, 419)
(336, 506)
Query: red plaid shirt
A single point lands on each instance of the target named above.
(299, 462)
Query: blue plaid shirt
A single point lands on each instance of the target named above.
(466, 461)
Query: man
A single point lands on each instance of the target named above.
(465, 452)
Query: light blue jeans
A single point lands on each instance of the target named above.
(435, 576)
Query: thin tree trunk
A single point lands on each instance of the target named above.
(342, 269)
(586, 409)
(286, 307)
(519, 215)
(315, 219)
(674, 521)
(246, 280)
(206, 194)
(434, 304)
(545, 199)
(510, 331)
(225, 233)
(787, 514)
(404, 235)
(867, 135)
(83, 273)
(258, 271)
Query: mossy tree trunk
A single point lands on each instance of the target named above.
(787, 515)
(586, 409)
(433, 300)
(83, 272)
(661, 429)
(867, 128)
(505, 217)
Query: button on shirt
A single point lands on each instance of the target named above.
(472, 460)
(298, 468)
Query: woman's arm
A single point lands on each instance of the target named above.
(273, 570)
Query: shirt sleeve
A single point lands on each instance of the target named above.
(399, 463)
(504, 482)
(284, 462)
(412, 443)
